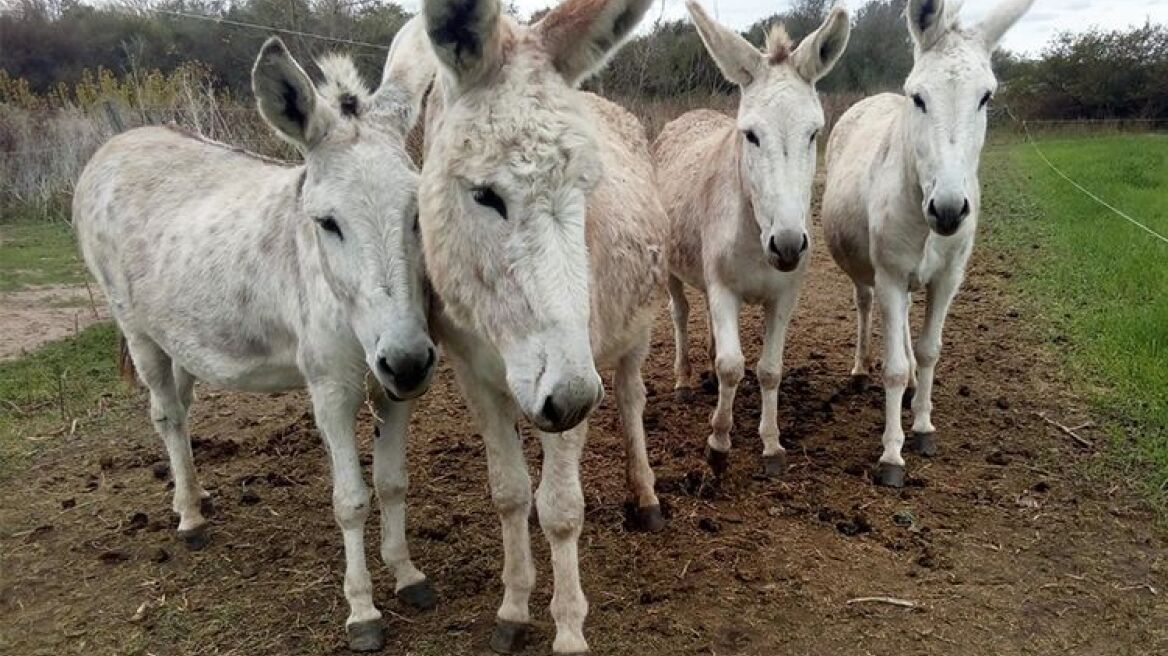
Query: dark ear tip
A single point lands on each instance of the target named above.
(273, 47)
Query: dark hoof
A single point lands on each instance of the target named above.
(366, 636)
(650, 519)
(719, 461)
(684, 394)
(710, 384)
(889, 475)
(925, 444)
(859, 383)
(196, 538)
(419, 595)
(774, 466)
(906, 400)
(509, 637)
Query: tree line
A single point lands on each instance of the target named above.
(1091, 74)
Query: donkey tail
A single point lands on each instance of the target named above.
(126, 369)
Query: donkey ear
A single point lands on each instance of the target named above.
(580, 35)
(738, 60)
(464, 35)
(927, 22)
(409, 71)
(818, 53)
(1001, 19)
(286, 97)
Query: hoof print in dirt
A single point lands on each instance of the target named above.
(366, 636)
(774, 466)
(719, 461)
(887, 475)
(509, 637)
(420, 595)
(925, 444)
(196, 539)
(648, 519)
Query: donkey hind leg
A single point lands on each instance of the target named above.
(334, 405)
(770, 373)
(941, 291)
(184, 384)
(682, 368)
(391, 482)
(862, 368)
(630, 398)
(731, 367)
(169, 400)
(496, 415)
(560, 502)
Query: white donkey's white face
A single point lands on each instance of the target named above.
(508, 170)
(779, 120)
(359, 191)
(948, 93)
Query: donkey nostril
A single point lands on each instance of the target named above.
(932, 208)
(773, 246)
(383, 365)
(965, 209)
(550, 412)
(806, 244)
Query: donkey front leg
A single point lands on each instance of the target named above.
(682, 369)
(730, 367)
(335, 406)
(170, 398)
(391, 481)
(893, 299)
(560, 502)
(630, 398)
(770, 373)
(941, 291)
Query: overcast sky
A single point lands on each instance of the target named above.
(1045, 19)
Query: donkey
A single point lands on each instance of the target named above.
(738, 194)
(544, 239)
(902, 200)
(251, 274)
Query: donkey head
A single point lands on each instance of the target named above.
(779, 121)
(359, 191)
(947, 95)
(504, 194)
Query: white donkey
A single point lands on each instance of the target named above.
(902, 200)
(544, 240)
(738, 194)
(256, 275)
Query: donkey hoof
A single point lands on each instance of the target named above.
(419, 595)
(889, 475)
(907, 399)
(509, 637)
(859, 383)
(925, 444)
(650, 519)
(774, 466)
(719, 461)
(710, 384)
(195, 538)
(366, 636)
(684, 394)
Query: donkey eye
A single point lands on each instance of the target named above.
(329, 224)
(920, 103)
(751, 137)
(487, 197)
(985, 100)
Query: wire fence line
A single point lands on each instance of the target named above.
(268, 28)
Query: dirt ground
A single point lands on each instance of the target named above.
(31, 317)
(1000, 542)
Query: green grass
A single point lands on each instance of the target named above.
(1100, 283)
(38, 253)
(42, 393)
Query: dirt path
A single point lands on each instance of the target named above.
(32, 317)
(1000, 544)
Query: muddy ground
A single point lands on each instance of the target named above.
(1001, 542)
(32, 317)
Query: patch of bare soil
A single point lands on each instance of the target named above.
(32, 317)
(999, 542)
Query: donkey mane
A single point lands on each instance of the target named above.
(189, 133)
(342, 87)
(778, 44)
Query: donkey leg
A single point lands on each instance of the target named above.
(335, 407)
(731, 367)
(560, 502)
(390, 482)
(770, 373)
(184, 385)
(941, 291)
(630, 398)
(893, 304)
(862, 368)
(679, 311)
(168, 410)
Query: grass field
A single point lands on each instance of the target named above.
(1101, 283)
(38, 253)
